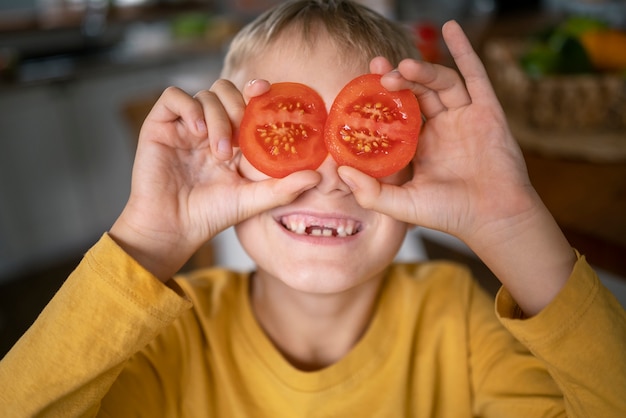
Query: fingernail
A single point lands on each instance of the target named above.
(251, 82)
(223, 147)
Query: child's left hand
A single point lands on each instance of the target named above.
(469, 176)
(468, 171)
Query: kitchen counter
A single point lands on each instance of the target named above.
(586, 194)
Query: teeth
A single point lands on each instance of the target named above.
(303, 225)
(296, 226)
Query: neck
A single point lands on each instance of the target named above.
(313, 331)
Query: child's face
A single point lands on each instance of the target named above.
(362, 242)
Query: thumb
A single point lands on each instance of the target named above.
(260, 196)
(371, 194)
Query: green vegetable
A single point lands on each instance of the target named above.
(540, 60)
(558, 49)
(577, 25)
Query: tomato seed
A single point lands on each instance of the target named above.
(365, 141)
(377, 112)
(282, 137)
(291, 107)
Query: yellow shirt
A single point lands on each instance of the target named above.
(434, 348)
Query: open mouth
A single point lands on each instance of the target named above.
(331, 227)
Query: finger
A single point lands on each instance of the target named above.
(263, 195)
(437, 88)
(445, 82)
(176, 105)
(371, 194)
(234, 104)
(220, 129)
(430, 102)
(255, 88)
(468, 62)
(380, 65)
(392, 80)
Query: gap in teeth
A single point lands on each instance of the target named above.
(303, 225)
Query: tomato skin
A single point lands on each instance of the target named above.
(282, 131)
(369, 128)
(372, 129)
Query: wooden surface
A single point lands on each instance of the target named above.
(581, 177)
(588, 200)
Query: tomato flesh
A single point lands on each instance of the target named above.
(282, 131)
(369, 128)
(373, 129)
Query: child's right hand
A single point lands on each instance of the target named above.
(185, 184)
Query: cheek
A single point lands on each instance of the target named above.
(249, 233)
(395, 232)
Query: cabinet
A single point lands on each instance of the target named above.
(66, 155)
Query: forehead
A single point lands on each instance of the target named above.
(320, 64)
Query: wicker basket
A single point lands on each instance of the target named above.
(581, 115)
(567, 102)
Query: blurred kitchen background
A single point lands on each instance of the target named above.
(78, 76)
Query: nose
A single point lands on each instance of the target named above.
(331, 182)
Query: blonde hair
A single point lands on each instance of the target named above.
(362, 33)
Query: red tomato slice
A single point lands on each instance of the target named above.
(373, 129)
(282, 131)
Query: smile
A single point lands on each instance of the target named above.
(321, 227)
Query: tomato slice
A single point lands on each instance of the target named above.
(282, 131)
(373, 129)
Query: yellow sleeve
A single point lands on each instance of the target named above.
(507, 380)
(581, 339)
(108, 309)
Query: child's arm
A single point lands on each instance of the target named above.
(470, 178)
(185, 189)
(107, 309)
(185, 185)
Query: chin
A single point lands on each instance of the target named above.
(318, 281)
(321, 273)
(324, 280)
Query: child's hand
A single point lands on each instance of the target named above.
(469, 175)
(185, 186)
(468, 171)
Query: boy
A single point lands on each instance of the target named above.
(326, 326)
